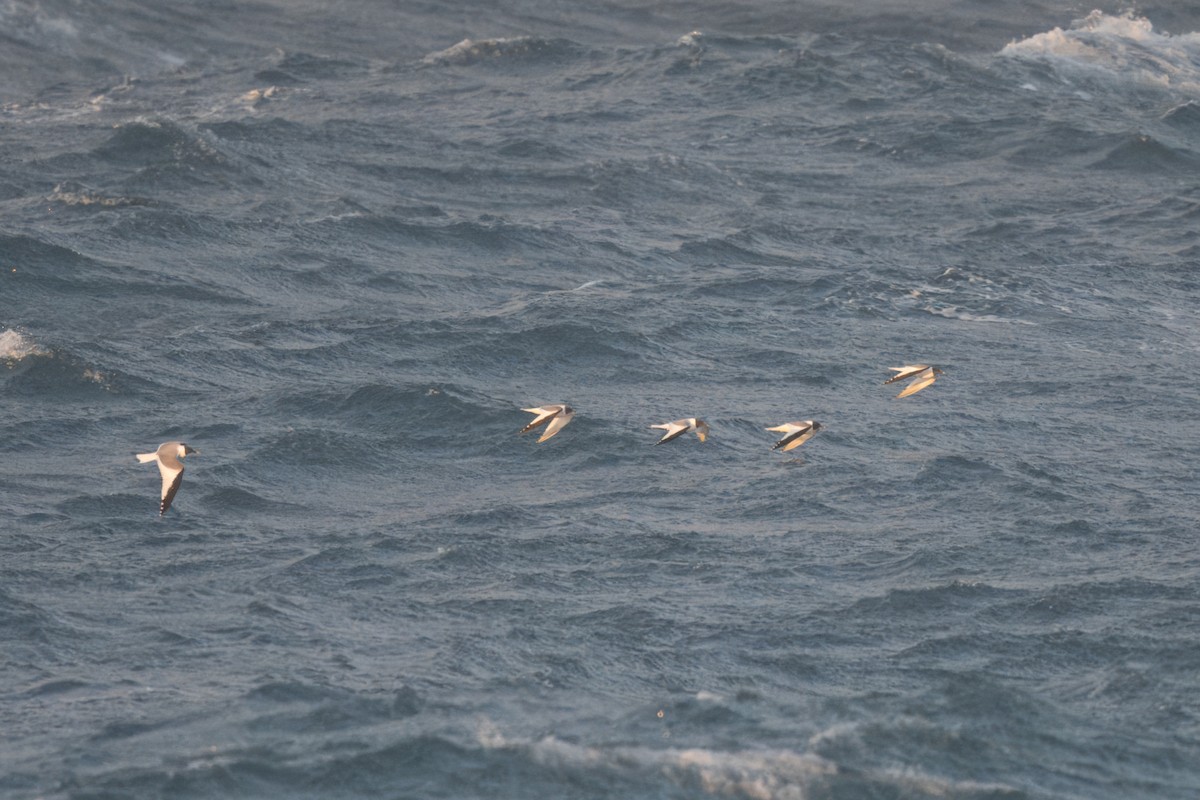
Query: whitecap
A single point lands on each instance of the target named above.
(1124, 47)
(954, 312)
(754, 774)
(470, 51)
(15, 346)
(766, 774)
(74, 195)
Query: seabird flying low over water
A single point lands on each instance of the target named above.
(681, 426)
(557, 415)
(168, 456)
(795, 434)
(922, 374)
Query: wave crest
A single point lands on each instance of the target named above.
(15, 346)
(767, 774)
(1121, 45)
(519, 48)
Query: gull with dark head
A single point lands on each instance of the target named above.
(681, 426)
(922, 375)
(557, 415)
(795, 434)
(169, 456)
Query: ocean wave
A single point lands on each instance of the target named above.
(428, 414)
(955, 597)
(241, 500)
(295, 67)
(270, 131)
(1121, 48)
(26, 626)
(766, 774)
(660, 180)
(120, 505)
(1143, 153)
(320, 447)
(424, 227)
(947, 471)
(518, 50)
(579, 342)
(321, 707)
(70, 193)
(153, 141)
(158, 157)
(761, 775)
(23, 252)
(15, 346)
(727, 251)
(33, 369)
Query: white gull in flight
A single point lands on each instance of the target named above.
(168, 456)
(681, 426)
(557, 415)
(795, 434)
(922, 374)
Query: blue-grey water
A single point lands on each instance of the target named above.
(337, 247)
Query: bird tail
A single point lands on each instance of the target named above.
(146, 458)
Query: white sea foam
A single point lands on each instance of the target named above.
(470, 51)
(15, 346)
(751, 774)
(74, 195)
(1124, 45)
(955, 312)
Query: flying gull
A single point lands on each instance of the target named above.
(922, 374)
(795, 434)
(168, 456)
(681, 426)
(557, 415)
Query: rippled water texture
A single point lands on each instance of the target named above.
(339, 250)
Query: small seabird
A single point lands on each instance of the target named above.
(922, 374)
(168, 456)
(557, 415)
(681, 426)
(795, 434)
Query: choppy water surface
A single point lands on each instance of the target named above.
(339, 252)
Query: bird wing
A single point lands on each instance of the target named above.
(923, 379)
(556, 424)
(795, 440)
(673, 430)
(786, 427)
(171, 478)
(905, 372)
